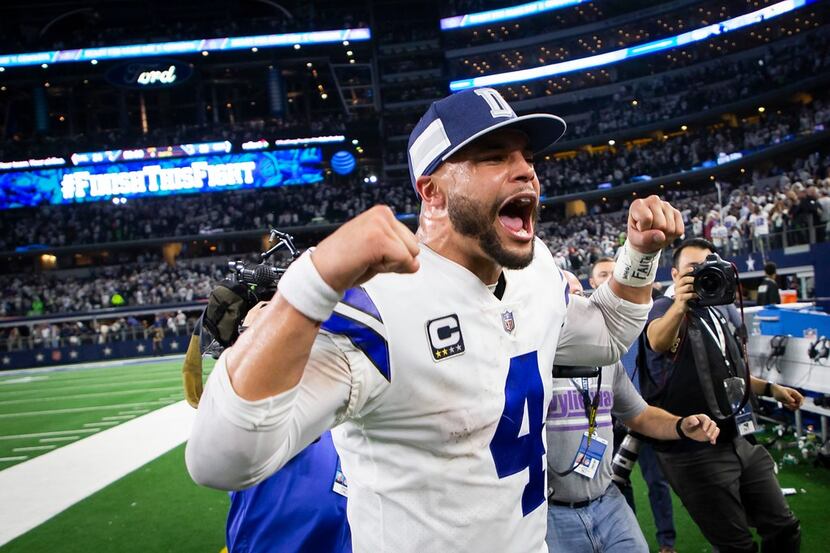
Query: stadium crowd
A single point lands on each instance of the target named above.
(107, 287)
(301, 205)
(591, 42)
(792, 207)
(585, 170)
(663, 97)
(782, 210)
(639, 32)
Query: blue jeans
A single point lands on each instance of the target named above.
(659, 495)
(606, 525)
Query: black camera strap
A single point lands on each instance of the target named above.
(701, 357)
(591, 406)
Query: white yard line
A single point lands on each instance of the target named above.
(9, 459)
(23, 380)
(118, 418)
(66, 438)
(115, 383)
(93, 394)
(80, 409)
(134, 412)
(35, 491)
(104, 423)
(42, 434)
(33, 448)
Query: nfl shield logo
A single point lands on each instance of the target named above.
(508, 321)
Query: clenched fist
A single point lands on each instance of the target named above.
(371, 243)
(653, 224)
(700, 428)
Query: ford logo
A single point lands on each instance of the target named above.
(160, 73)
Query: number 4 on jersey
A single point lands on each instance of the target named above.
(511, 451)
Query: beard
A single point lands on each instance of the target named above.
(473, 220)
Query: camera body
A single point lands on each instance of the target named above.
(715, 282)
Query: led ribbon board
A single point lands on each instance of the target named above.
(630, 52)
(505, 14)
(218, 172)
(183, 47)
(153, 152)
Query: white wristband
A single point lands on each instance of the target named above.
(634, 268)
(306, 291)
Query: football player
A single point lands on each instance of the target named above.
(430, 358)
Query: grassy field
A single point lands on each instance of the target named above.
(44, 411)
(157, 507)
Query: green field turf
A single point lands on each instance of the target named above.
(152, 510)
(808, 505)
(158, 508)
(43, 411)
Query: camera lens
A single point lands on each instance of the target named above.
(710, 282)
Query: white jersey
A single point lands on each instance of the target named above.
(437, 391)
(760, 223)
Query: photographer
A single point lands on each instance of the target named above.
(693, 364)
(301, 508)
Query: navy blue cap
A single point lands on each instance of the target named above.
(455, 121)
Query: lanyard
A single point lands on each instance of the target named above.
(590, 405)
(717, 334)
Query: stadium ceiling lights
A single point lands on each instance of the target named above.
(204, 45)
(505, 14)
(630, 52)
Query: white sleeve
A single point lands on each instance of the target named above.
(236, 443)
(599, 330)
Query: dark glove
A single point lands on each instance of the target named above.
(227, 306)
(217, 329)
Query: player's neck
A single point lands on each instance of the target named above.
(467, 253)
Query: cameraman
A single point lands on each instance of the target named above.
(729, 486)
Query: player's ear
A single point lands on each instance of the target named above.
(592, 283)
(429, 191)
(674, 273)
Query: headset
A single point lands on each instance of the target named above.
(777, 348)
(820, 349)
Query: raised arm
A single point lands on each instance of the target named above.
(282, 383)
(599, 330)
(371, 243)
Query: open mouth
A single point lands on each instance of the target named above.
(516, 215)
